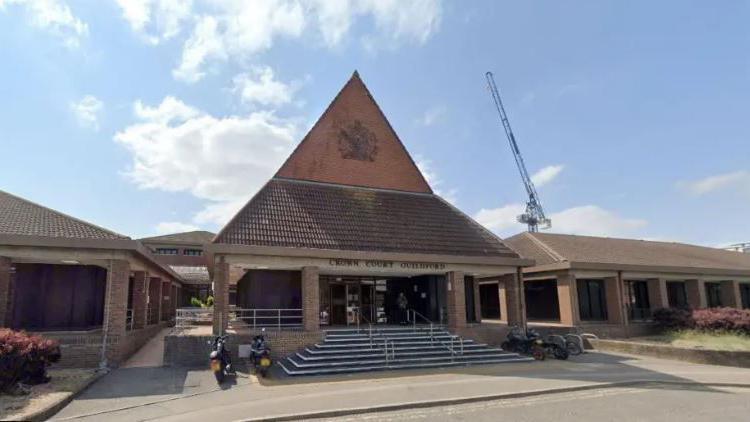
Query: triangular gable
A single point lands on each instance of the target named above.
(353, 144)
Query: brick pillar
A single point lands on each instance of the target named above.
(140, 293)
(456, 300)
(310, 298)
(613, 294)
(696, 293)
(5, 295)
(515, 302)
(730, 294)
(221, 296)
(567, 296)
(657, 293)
(159, 298)
(166, 299)
(503, 301)
(477, 302)
(115, 306)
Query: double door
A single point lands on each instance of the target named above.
(361, 299)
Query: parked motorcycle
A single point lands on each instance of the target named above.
(528, 343)
(556, 346)
(220, 359)
(261, 354)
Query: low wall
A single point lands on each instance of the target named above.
(185, 349)
(712, 357)
(620, 331)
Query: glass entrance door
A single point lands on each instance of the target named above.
(352, 303)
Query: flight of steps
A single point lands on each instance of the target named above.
(350, 350)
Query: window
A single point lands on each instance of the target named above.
(638, 303)
(192, 252)
(166, 251)
(676, 294)
(745, 293)
(713, 295)
(591, 301)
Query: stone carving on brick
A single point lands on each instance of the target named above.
(357, 142)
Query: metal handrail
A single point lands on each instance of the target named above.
(414, 322)
(242, 314)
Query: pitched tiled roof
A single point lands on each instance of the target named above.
(323, 216)
(547, 248)
(21, 217)
(197, 236)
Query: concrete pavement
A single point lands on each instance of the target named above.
(180, 394)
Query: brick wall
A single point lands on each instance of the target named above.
(456, 300)
(115, 304)
(193, 350)
(5, 286)
(310, 298)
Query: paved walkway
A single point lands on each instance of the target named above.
(151, 354)
(181, 394)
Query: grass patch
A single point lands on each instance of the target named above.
(703, 340)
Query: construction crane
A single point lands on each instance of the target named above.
(534, 215)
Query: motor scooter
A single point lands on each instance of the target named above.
(261, 354)
(529, 343)
(220, 360)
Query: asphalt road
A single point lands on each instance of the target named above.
(655, 403)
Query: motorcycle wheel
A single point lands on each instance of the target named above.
(219, 376)
(263, 372)
(560, 353)
(538, 353)
(573, 348)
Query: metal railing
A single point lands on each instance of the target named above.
(186, 317)
(266, 318)
(413, 319)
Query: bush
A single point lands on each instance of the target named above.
(210, 301)
(674, 318)
(722, 319)
(707, 320)
(196, 303)
(24, 358)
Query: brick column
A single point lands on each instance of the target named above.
(115, 306)
(456, 300)
(567, 296)
(730, 294)
(613, 294)
(159, 299)
(140, 293)
(657, 293)
(696, 293)
(221, 296)
(310, 298)
(503, 301)
(477, 302)
(166, 299)
(5, 296)
(515, 302)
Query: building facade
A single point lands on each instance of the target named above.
(349, 232)
(612, 286)
(101, 294)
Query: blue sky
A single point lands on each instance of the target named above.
(158, 115)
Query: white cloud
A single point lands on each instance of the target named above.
(156, 20)
(87, 111)
(169, 227)
(259, 87)
(54, 16)
(222, 160)
(433, 179)
(220, 31)
(738, 179)
(546, 175)
(589, 220)
(432, 115)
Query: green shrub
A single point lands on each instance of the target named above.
(196, 303)
(210, 301)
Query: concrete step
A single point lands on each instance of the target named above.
(431, 346)
(301, 358)
(413, 351)
(392, 366)
(403, 342)
(380, 339)
(398, 360)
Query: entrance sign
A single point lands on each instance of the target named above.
(368, 263)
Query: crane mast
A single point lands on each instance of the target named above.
(534, 215)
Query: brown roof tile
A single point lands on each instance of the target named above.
(547, 248)
(197, 237)
(21, 217)
(301, 214)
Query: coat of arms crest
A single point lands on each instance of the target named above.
(357, 142)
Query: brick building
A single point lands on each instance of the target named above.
(185, 254)
(100, 293)
(612, 285)
(349, 224)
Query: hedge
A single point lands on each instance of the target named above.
(24, 358)
(711, 319)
